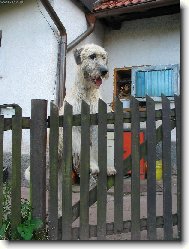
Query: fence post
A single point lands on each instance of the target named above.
(102, 177)
(66, 174)
(38, 137)
(16, 169)
(178, 151)
(135, 175)
(151, 163)
(84, 171)
(118, 163)
(166, 159)
(53, 172)
(1, 168)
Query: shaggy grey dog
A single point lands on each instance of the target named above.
(92, 68)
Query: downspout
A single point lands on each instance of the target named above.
(60, 90)
(63, 48)
(91, 19)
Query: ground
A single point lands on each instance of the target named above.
(127, 206)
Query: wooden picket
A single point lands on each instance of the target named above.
(16, 169)
(1, 168)
(151, 174)
(61, 228)
(178, 151)
(118, 164)
(166, 160)
(53, 172)
(38, 139)
(135, 177)
(102, 179)
(84, 171)
(66, 174)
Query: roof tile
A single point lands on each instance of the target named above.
(111, 4)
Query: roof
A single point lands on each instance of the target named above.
(112, 4)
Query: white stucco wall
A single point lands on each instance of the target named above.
(151, 41)
(27, 59)
(75, 23)
(28, 55)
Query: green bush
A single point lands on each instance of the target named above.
(28, 229)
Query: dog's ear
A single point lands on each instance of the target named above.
(77, 55)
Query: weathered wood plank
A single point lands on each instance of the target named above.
(135, 172)
(178, 151)
(102, 177)
(118, 164)
(16, 169)
(84, 171)
(8, 123)
(126, 227)
(53, 172)
(166, 160)
(1, 168)
(38, 139)
(93, 119)
(151, 174)
(126, 168)
(67, 169)
(111, 117)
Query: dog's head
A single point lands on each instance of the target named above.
(92, 60)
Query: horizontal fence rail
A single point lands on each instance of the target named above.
(26, 121)
(61, 213)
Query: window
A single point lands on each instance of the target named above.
(145, 80)
(122, 86)
(154, 81)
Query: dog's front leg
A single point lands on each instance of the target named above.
(94, 169)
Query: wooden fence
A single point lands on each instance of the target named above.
(61, 228)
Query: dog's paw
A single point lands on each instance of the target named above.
(27, 174)
(111, 171)
(94, 169)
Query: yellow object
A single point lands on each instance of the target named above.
(159, 170)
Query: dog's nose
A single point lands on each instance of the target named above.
(103, 71)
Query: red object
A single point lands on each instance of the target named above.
(127, 151)
(118, 3)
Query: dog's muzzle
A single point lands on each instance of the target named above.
(103, 72)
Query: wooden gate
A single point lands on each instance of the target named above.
(61, 228)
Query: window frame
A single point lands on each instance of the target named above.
(174, 67)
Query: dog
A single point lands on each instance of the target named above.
(92, 68)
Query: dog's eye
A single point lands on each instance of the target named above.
(92, 56)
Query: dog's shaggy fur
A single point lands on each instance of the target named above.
(92, 68)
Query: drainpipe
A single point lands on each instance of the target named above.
(61, 90)
(91, 19)
(63, 48)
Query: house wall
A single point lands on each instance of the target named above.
(75, 23)
(28, 55)
(150, 41)
(27, 59)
